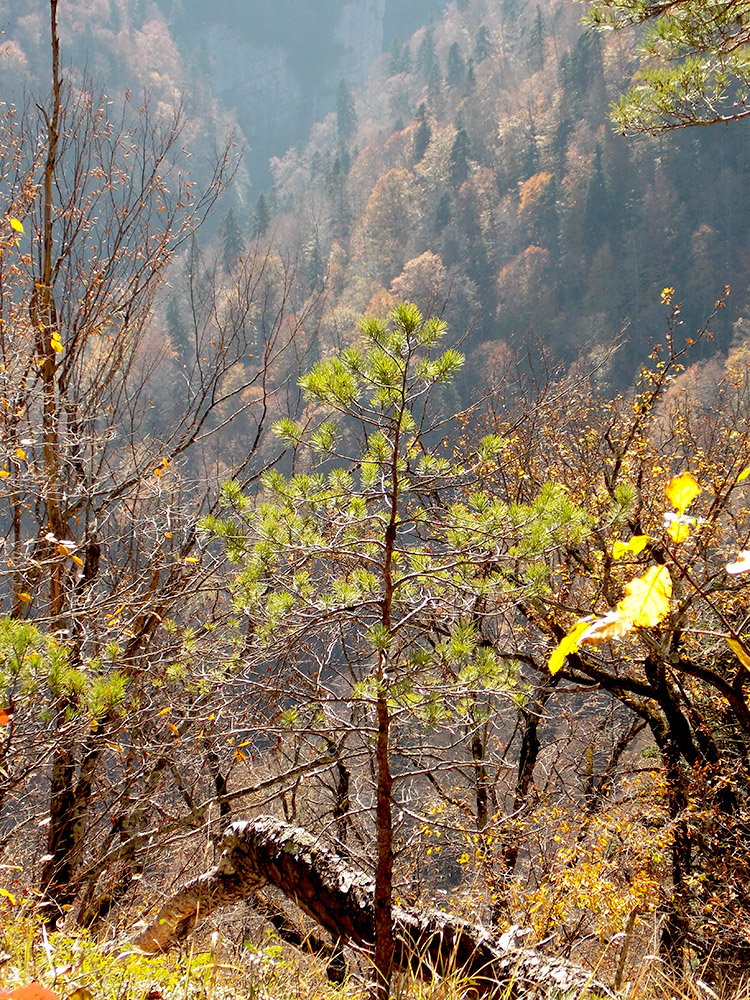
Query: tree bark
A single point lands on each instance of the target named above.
(341, 900)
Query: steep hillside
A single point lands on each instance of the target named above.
(477, 172)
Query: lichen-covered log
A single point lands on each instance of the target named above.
(269, 851)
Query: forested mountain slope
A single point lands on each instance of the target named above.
(478, 166)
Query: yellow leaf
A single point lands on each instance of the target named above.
(612, 626)
(742, 565)
(635, 545)
(4, 473)
(77, 560)
(17, 225)
(743, 475)
(165, 711)
(568, 644)
(240, 755)
(682, 490)
(23, 596)
(20, 454)
(157, 472)
(678, 531)
(165, 462)
(56, 346)
(63, 549)
(11, 899)
(173, 728)
(190, 559)
(646, 600)
(167, 534)
(740, 652)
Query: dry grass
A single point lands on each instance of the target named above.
(78, 967)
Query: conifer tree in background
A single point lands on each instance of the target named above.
(346, 114)
(262, 216)
(232, 244)
(423, 134)
(456, 73)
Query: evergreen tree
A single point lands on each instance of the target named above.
(459, 158)
(231, 239)
(598, 210)
(399, 58)
(177, 330)
(698, 49)
(423, 134)
(456, 66)
(426, 56)
(262, 216)
(346, 115)
(316, 267)
(536, 40)
(482, 44)
(443, 212)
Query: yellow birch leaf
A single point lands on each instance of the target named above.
(678, 531)
(11, 899)
(742, 565)
(743, 475)
(612, 626)
(20, 454)
(646, 600)
(4, 473)
(682, 490)
(23, 596)
(568, 644)
(635, 545)
(17, 225)
(740, 652)
(56, 346)
(173, 728)
(77, 560)
(157, 473)
(165, 711)
(63, 549)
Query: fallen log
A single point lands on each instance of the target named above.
(267, 851)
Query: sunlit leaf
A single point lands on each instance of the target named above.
(77, 560)
(646, 600)
(5, 717)
(678, 532)
(23, 596)
(743, 475)
(20, 454)
(742, 565)
(740, 652)
(568, 644)
(7, 895)
(612, 626)
(682, 490)
(635, 545)
(17, 225)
